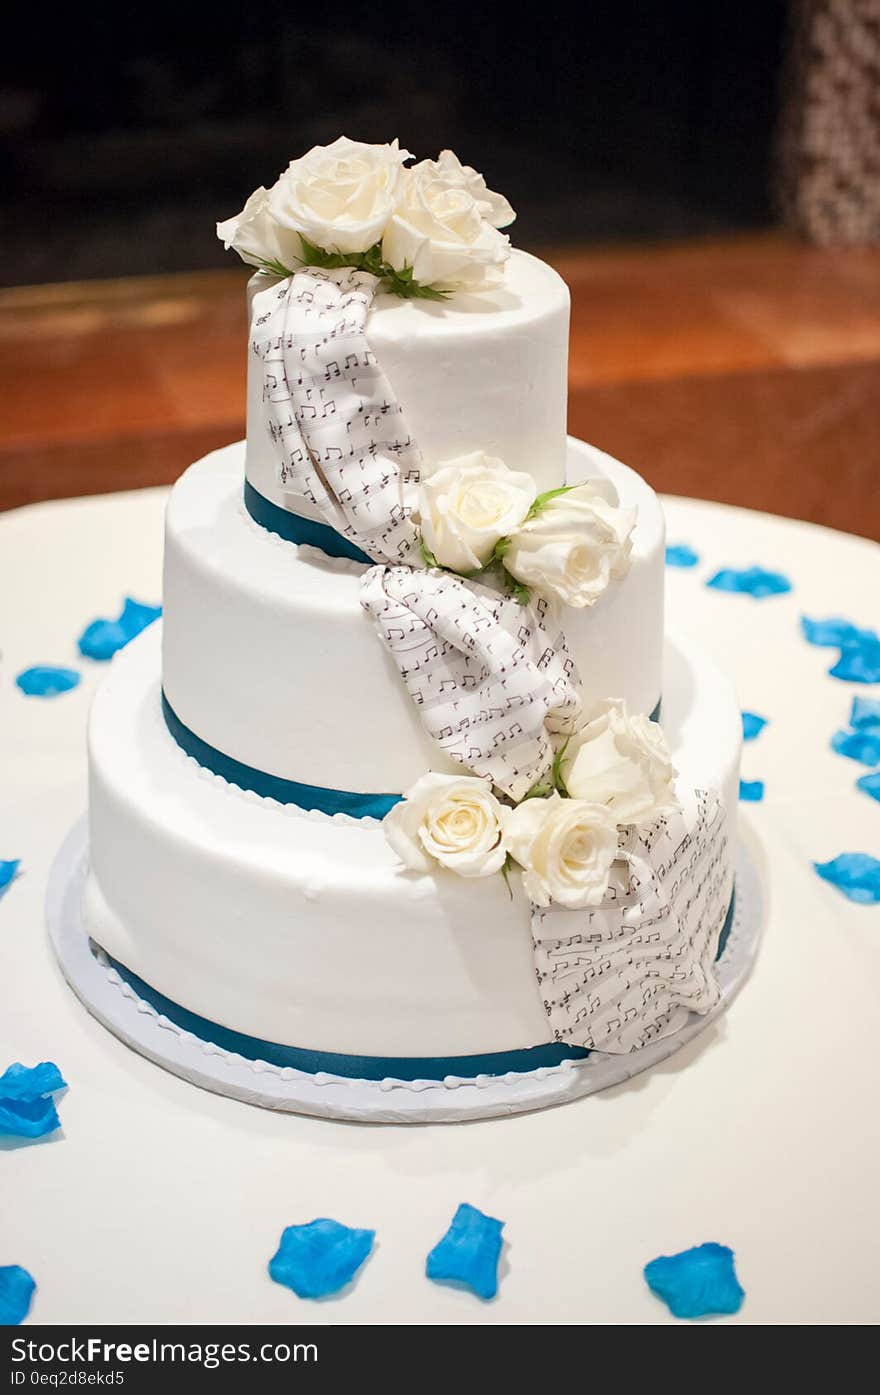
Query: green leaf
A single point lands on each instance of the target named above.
(398, 282)
(275, 268)
(522, 593)
(427, 555)
(417, 291)
(543, 499)
(321, 256)
(505, 872)
(556, 774)
(542, 790)
(372, 260)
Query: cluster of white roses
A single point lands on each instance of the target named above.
(436, 218)
(615, 772)
(568, 544)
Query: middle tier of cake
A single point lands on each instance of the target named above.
(269, 660)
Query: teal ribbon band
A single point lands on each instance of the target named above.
(356, 1067)
(357, 806)
(247, 777)
(294, 529)
(342, 1063)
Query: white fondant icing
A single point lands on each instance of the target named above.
(113, 1001)
(481, 371)
(269, 657)
(304, 929)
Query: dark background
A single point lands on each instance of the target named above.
(125, 135)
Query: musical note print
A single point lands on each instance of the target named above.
(322, 390)
(490, 678)
(643, 960)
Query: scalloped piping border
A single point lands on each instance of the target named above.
(236, 791)
(258, 1067)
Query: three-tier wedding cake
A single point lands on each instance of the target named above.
(411, 783)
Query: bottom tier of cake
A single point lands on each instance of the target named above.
(302, 929)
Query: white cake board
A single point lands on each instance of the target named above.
(115, 1004)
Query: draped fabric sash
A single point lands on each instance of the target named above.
(490, 678)
(339, 432)
(629, 972)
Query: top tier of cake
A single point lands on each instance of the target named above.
(483, 371)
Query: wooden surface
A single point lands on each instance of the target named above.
(743, 370)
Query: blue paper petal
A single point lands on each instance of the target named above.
(468, 1253)
(857, 875)
(870, 784)
(16, 1291)
(751, 791)
(753, 725)
(7, 873)
(26, 1106)
(319, 1258)
(103, 638)
(680, 555)
(834, 633)
(865, 713)
(45, 681)
(27, 1082)
(752, 581)
(859, 662)
(697, 1283)
(858, 745)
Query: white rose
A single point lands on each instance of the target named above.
(575, 545)
(448, 170)
(451, 819)
(622, 762)
(340, 196)
(257, 238)
(468, 504)
(438, 230)
(566, 848)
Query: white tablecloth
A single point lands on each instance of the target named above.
(159, 1202)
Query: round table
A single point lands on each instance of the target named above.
(158, 1202)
